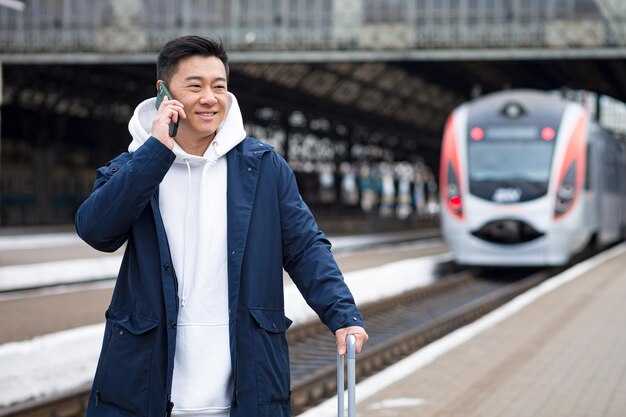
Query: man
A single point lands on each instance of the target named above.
(196, 325)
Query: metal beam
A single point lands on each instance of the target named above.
(504, 54)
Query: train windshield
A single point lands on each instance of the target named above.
(510, 164)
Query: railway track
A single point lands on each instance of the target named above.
(402, 325)
(397, 327)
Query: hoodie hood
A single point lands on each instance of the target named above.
(230, 133)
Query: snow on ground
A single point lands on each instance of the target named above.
(373, 284)
(39, 241)
(15, 277)
(48, 365)
(50, 240)
(18, 277)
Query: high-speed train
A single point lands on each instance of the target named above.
(529, 179)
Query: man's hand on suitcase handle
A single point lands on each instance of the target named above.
(359, 334)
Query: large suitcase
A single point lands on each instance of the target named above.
(351, 359)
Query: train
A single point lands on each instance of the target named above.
(529, 178)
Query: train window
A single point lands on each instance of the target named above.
(520, 165)
(510, 160)
(610, 168)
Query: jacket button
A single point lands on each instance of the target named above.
(249, 169)
(274, 325)
(173, 325)
(166, 267)
(114, 169)
(354, 318)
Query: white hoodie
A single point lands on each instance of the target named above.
(192, 201)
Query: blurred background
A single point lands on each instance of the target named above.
(353, 93)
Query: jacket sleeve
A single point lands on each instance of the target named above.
(308, 259)
(122, 190)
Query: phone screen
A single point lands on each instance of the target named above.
(164, 92)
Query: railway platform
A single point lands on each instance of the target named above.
(557, 350)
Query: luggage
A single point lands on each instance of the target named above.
(351, 356)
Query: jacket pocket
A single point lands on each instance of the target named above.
(125, 375)
(271, 354)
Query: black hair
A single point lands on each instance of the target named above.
(183, 47)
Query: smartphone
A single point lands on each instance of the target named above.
(164, 92)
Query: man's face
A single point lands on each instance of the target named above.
(200, 84)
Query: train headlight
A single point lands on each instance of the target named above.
(566, 193)
(456, 203)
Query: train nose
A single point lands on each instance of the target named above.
(507, 232)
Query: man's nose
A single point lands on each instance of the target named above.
(208, 97)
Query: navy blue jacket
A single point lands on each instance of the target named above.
(269, 227)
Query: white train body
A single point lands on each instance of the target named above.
(528, 179)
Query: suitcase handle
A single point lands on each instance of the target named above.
(351, 354)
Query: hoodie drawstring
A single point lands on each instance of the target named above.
(184, 292)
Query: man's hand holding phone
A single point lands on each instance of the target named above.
(169, 113)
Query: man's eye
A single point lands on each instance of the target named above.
(195, 86)
(220, 87)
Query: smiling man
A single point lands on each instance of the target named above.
(196, 325)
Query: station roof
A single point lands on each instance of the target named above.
(403, 102)
(394, 70)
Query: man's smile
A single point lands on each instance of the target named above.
(208, 115)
